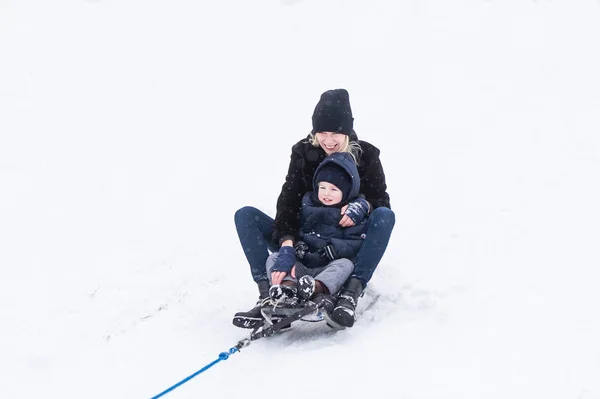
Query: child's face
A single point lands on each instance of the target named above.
(329, 194)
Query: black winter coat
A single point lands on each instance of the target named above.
(304, 161)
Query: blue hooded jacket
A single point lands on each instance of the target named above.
(320, 223)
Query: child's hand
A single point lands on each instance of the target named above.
(301, 248)
(314, 258)
(328, 253)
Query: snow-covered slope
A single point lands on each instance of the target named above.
(131, 131)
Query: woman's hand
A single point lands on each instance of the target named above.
(277, 277)
(357, 210)
(285, 262)
(346, 221)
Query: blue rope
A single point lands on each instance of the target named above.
(222, 356)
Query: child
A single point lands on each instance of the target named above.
(324, 254)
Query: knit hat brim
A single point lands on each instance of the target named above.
(336, 175)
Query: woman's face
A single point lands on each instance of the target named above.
(330, 142)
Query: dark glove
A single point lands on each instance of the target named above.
(328, 253)
(301, 248)
(314, 259)
(286, 260)
(357, 210)
(322, 257)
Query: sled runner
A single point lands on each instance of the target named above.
(280, 318)
(277, 319)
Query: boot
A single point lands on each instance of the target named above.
(284, 295)
(253, 317)
(306, 287)
(285, 290)
(325, 302)
(343, 313)
(309, 288)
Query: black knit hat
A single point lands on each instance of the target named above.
(333, 113)
(336, 175)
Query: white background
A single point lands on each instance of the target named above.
(131, 131)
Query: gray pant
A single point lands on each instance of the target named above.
(333, 276)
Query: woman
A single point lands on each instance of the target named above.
(332, 132)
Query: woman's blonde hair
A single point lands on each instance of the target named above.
(349, 146)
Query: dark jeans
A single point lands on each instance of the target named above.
(255, 229)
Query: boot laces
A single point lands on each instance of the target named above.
(266, 302)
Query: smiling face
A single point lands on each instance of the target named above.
(331, 142)
(329, 194)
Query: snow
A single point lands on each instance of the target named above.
(131, 131)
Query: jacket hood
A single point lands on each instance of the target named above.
(346, 161)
